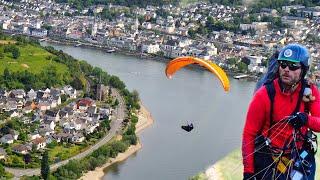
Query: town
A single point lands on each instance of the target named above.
(41, 118)
(169, 31)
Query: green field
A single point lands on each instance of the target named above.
(32, 58)
(62, 153)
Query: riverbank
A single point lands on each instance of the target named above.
(145, 56)
(145, 120)
(106, 48)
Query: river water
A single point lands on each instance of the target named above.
(193, 95)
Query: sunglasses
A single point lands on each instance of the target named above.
(292, 66)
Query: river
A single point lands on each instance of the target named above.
(192, 95)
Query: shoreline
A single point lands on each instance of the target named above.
(145, 120)
(252, 77)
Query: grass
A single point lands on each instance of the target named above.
(7, 42)
(231, 166)
(31, 58)
(63, 152)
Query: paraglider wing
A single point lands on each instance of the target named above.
(180, 62)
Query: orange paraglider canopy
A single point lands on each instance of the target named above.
(180, 62)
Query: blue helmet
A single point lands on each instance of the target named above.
(295, 53)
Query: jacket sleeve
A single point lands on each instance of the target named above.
(255, 120)
(314, 117)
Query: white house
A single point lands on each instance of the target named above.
(40, 143)
(49, 123)
(34, 135)
(78, 138)
(150, 48)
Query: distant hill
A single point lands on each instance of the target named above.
(25, 65)
(33, 59)
(273, 4)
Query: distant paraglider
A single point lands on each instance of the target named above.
(180, 62)
(187, 127)
(176, 64)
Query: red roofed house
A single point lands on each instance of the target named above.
(84, 103)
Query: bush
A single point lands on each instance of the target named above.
(132, 139)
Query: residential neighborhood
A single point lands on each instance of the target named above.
(41, 118)
(145, 32)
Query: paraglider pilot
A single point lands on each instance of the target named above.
(278, 133)
(188, 127)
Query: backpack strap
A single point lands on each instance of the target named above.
(271, 94)
(303, 86)
(307, 104)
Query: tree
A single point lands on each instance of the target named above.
(6, 74)
(1, 55)
(27, 158)
(15, 53)
(135, 96)
(232, 61)
(64, 98)
(2, 170)
(45, 169)
(192, 33)
(23, 136)
(293, 12)
(116, 103)
(242, 67)
(77, 83)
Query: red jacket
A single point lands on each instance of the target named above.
(258, 119)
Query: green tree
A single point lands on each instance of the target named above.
(1, 55)
(105, 124)
(77, 83)
(23, 136)
(15, 53)
(135, 95)
(64, 97)
(242, 67)
(132, 139)
(192, 33)
(116, 103)
(2, 170)
(45, 169)
(232, 61)
(6, 74)
(116, 82)
(293, 12)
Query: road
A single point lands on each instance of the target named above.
(116, 123)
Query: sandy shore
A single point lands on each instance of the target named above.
(145, 120)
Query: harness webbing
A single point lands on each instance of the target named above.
(271, 94)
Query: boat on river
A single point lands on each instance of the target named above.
(110, 50)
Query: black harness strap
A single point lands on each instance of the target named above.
(272, 93)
